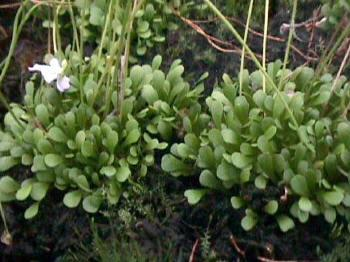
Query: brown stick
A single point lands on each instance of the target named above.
(194, 251)
(341, 68)
(235, 245)
(8, 6)
(213, 41)
(264, 259)
(3, 32)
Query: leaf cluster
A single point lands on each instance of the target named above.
(71, 144)
(269, 165)
(152, 21)
(335, 10)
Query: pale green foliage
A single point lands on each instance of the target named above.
(335, 10)
(74, 146)
(254, 152)
(152, 22)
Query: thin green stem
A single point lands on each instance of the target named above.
(58, 35)
(49, 32)
(332, 52)
(243, 48)
(289, 43)
(106, 25)
(74, 24)
(54, 34)
(82, 28)
(17, 28)
(3, 218)
(14, 40)
(113, 61)
(125, 65)
(266, 23)
(254, 58)
(258, 64)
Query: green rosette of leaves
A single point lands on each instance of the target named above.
(253, 153)
(75, 142)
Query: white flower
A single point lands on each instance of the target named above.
(51, 72)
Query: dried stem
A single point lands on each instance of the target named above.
(213, 41)
(236, 246)
(341, 68)
(194, 251)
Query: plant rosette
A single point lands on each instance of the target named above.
(253, 152)
(71, 143)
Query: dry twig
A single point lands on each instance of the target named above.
(3, 32)
(213, 41)
(9, 6)
(194, 251)
(235, 245)
(264, 259)
(341, 68)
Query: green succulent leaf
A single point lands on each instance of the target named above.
(87, 149)
(149, 94)
(53, 160)
(229, 136)
(133, 137)
(31, 211)
(241, 161)
(227, 172)
(7, 162)
(39, 190)
(173, 165)
(82, 182)
(270, 132)
(260, 182)
(208, 179)
(271, 207)
(237, 202)
(92, 203)
(24, 192)
(194, 195)
(305, 204)
(42, 114)
(216, 109)
(266, 164)
(333, 198)
(96, 15)
(72, 199)
(57, 135)
(241, 108)
(285, 223)
(123, 173)
(112, 141)
(8, 185)
(206, 157)
(330, 215)
(108, 171)
(248, 222)
(299, 185)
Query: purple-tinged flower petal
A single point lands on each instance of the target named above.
(63, 83)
